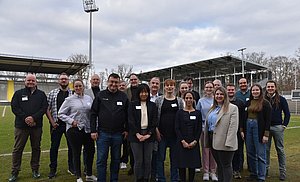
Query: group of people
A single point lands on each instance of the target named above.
(146, 123)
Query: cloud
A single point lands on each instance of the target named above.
(149, 34)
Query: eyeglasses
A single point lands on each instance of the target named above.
(133, 79)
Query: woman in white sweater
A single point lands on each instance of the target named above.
(75, 111)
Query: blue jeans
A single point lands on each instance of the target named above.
(161, 157)
(256, 151)
(277, 132)
(104, 142)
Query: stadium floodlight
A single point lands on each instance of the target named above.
(89, 6)
(243, 65)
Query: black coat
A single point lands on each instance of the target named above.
(263, 119)
(24, 104)
(134, 120)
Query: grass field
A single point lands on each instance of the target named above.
(292, 148)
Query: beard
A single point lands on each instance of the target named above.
(64, 86)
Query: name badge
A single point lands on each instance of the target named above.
(119, 103)
(174, 105)
(138, 107)
(193, 117)
(24, 98)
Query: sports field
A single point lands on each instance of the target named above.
(292, 148)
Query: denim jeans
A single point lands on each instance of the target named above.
(256, 151)
(104, 142)
(277, 132)
(56, 135)
(161, 156)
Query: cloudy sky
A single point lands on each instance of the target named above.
(149, 34)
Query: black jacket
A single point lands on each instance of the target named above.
(24, 104)
(134, 120)
(111, 111)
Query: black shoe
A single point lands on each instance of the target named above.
(52, 173)
(282, 177)
(130, 172)
(13, 178)
(250, 178)
(71, 171)
(36, 174)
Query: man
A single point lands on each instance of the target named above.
(238, 157)
(108, 124)
(57, 127)
(189, 80)
(278, 125)
(217, 83)
(154, 85)
(28, 105)
(124, 158)
(244, 94)
(95, 89)
(122, 85)
(131, 93)
(92, 92)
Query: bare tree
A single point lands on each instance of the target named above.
(80, 58)
(122, 70)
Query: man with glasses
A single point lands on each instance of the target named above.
(57, 127)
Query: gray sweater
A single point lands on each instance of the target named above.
(76, 108)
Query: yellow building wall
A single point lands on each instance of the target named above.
(10, 90)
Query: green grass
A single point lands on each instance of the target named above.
(292, 147)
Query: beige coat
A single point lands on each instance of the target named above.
(225, 133)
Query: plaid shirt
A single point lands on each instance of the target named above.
(52, 102)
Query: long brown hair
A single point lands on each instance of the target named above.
(226, 100)
(257, 107)
(276, 100)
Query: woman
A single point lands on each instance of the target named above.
(258, 128)
(188, 127)
(220, 132)
(75, 111)
(142, 120)
(183, 87)
(167, 104)
(208, 162)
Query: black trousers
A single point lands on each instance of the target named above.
(77, 139)
(224, 163)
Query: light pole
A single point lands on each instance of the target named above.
(90, 7)
(243, 66)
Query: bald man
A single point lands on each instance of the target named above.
(29, 106)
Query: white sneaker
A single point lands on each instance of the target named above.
(205, 177)
(79, 180)
(91, 178)
(213, 177)
(123, 165)
(197, 170)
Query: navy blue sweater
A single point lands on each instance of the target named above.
(277, 112)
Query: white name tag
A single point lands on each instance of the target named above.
(193, 117)
(119, 103)
(247, 99)
(24, 98)
(174, 105)
(138, 107)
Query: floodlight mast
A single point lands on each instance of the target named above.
(243, 66)
(90, 7)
